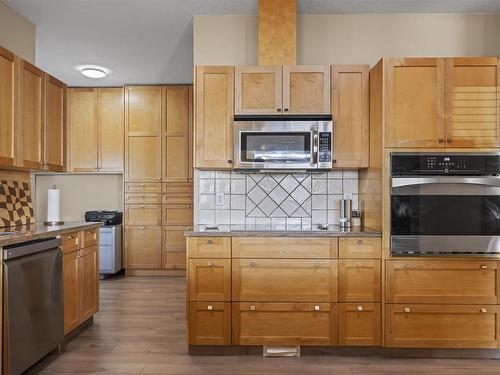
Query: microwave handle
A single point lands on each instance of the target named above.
(315, 146)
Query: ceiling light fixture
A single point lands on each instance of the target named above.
(93, 72)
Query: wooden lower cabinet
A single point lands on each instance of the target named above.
(442, 326)
(90, 300)
(359, 280)
(360, 324)
(259, 323)
(174, 247)
(287, 280)
(209, 323)
(72, 274)
(285, 248)
(209, 280)
(143, 247)
(357, 247)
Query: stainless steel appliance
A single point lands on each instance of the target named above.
(345, 211)
(445, 203)
(33, 303)
(278, 142)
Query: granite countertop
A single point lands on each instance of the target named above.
(280, 231)
(13, 235)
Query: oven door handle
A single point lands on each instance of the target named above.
(413, 181)
(446, 185)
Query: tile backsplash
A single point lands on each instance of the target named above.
(298, 199)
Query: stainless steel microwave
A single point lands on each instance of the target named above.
(276, 142)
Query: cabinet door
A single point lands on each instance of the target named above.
(209, 323)
(174, 247)
(442, 282)
(213, 145)
(258, 90)
(8, 93)
(31, 115)
(54, 124)
(142, 247)
(415, 102)
(359, 280)
(288, 280)
(111, 143)
(176, 135)
(306, 89)
(90, 282)
(442, 326)
(360, 324)
(276, 324)
(82, 129)
(143, 214)
(283, 247)
(72, 273)
(209, 280)
(177, 214)
(471, 102)
(350, 108)
(144, 115)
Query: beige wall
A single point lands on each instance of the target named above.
(351, 38)
(79, 193)
(17, 34)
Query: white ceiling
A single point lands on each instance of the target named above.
(151, 41)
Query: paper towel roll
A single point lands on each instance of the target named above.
(53, 205)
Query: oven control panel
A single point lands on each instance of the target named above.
(324, 147)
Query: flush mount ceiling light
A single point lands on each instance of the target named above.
(93, 72)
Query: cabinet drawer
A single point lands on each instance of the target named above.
(279, 247)
(178, 214)
(145, 187)
(209, 323)
(359, 280)
(90, 237)
(209, 280)
(142, 198)
(182, 199)
(143, 214)
(360, 324)
(287, 280)
(70, 242)
(442, 326)
(360, 247)
(209, 247)
(256, 323)
(444, 281)
(177, 187)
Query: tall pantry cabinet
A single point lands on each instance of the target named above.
(158, 177)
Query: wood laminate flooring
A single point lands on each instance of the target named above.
(140, 329)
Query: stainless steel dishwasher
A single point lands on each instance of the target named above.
(33, 302)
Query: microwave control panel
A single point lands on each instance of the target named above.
(325, 147)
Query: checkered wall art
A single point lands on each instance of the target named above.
(16, 206)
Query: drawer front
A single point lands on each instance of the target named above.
(146, 187)
(442, 282)
(90, 237)
(360, 247)
(209, 323)
(291, 280)
(143, 214)
(182, 199)
(142, 198)
(177, 187)
(280, 247)
(442, 326)
(257, 323)
(178, 214)
(209, 280)
(209, 247)
(70, 242)
(360, 324)
(359, 280)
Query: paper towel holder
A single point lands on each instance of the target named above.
(53, 223)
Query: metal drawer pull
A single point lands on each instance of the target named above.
(359, 265)
(483, 310)
(210, 242)
(484, 266)
(407, 310)
(253, 264)
(360, 242)
(143, 185)
(142, 228)
(252, 308)
(360, 308)
(407, 266)
(316, 308)
(210, 307)
(210, 264)
(143, 206)
(316, 265)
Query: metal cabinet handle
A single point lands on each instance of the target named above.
(407, 310)
(252, 308)
(316, 308)
(360, 308)
(210, 242)
(483, 310)
(253, 264)
(278, 109)
(316, 265)
(142, 228)
(230, 161)
(143, 185)
(286, 109)
(210, 307)
(449, 140)
(210, 264)
(407, 266)
(143, 206)
(441, 140)
(484, 266)
(359, 265)
(360, 242)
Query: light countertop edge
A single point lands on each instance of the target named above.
(334, 232)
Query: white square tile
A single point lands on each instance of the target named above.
(249, 221)
(321, 176)
(319, 186)
(333, 217)
(267, 206)
(278, 223)
(319, 217)
(300, 194)
(206, 217)
(263, 221)
(238, 217)
(350, 186)
(207, 186)
(335, 175)
(289, 183)
(223, 216)
(278, 194)
(306, 223)
(334, 187)
(334, 201)
(226, 204)
(319, 201)
(237, 186)
(293, 222)
(206, 174)
(207, 201)
(350, 174)
(267, 184)
(237, 202)
(355, 202)
(222, 174)
(237, 176)
(257, 195)
(223, 186)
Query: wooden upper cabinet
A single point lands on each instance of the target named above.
(471, 102)
(82, 129)
(31, 116)
(54, 124)
(8, 95)
(415, 102)
(350, 108)
(258, 90)
(176, 146)
(214, 117)
(111, 144)
(306, 89)
(144, 114)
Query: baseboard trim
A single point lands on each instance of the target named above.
(155, 273)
